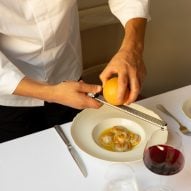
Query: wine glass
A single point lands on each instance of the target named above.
(163, 159)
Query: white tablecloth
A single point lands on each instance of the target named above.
(41, 161)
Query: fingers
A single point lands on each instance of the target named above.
(84, 89)
(122, 86)
(137, 77)
(106, 75)
(89, 88)
(134, 91)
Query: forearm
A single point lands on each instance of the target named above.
(134, 35)
(34, 89)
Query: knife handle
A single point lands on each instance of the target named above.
(62, 135)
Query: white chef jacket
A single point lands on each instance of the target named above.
(41, 39)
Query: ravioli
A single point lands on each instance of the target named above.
(118, 139)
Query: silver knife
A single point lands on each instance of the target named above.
(72, 151)
(131, 111)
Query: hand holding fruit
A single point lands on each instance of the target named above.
(130, 71)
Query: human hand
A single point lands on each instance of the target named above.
(74, 94)
(130, 69)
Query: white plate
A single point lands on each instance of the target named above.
(85, 122)
(186, 108)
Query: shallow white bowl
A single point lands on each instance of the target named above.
(126, 123)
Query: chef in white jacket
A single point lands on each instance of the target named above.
(41, 64)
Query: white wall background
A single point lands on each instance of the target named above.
(168, 46)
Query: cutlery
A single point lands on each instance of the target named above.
(131, 111)
(72, 151)
(182, 128)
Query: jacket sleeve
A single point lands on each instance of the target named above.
(125, 10)
(10, 75)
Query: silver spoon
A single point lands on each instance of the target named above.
(182, 128)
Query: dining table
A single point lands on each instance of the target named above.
(42, 162)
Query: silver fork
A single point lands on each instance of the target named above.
(182, 128)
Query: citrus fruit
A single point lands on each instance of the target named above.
(110, 89)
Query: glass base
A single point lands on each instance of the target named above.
(158, 188)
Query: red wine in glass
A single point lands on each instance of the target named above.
(163, 155)
(163, 159)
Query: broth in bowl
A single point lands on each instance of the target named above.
(118, 139)
(118, 135)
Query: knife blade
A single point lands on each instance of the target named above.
(72, 151)
(131, 111)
